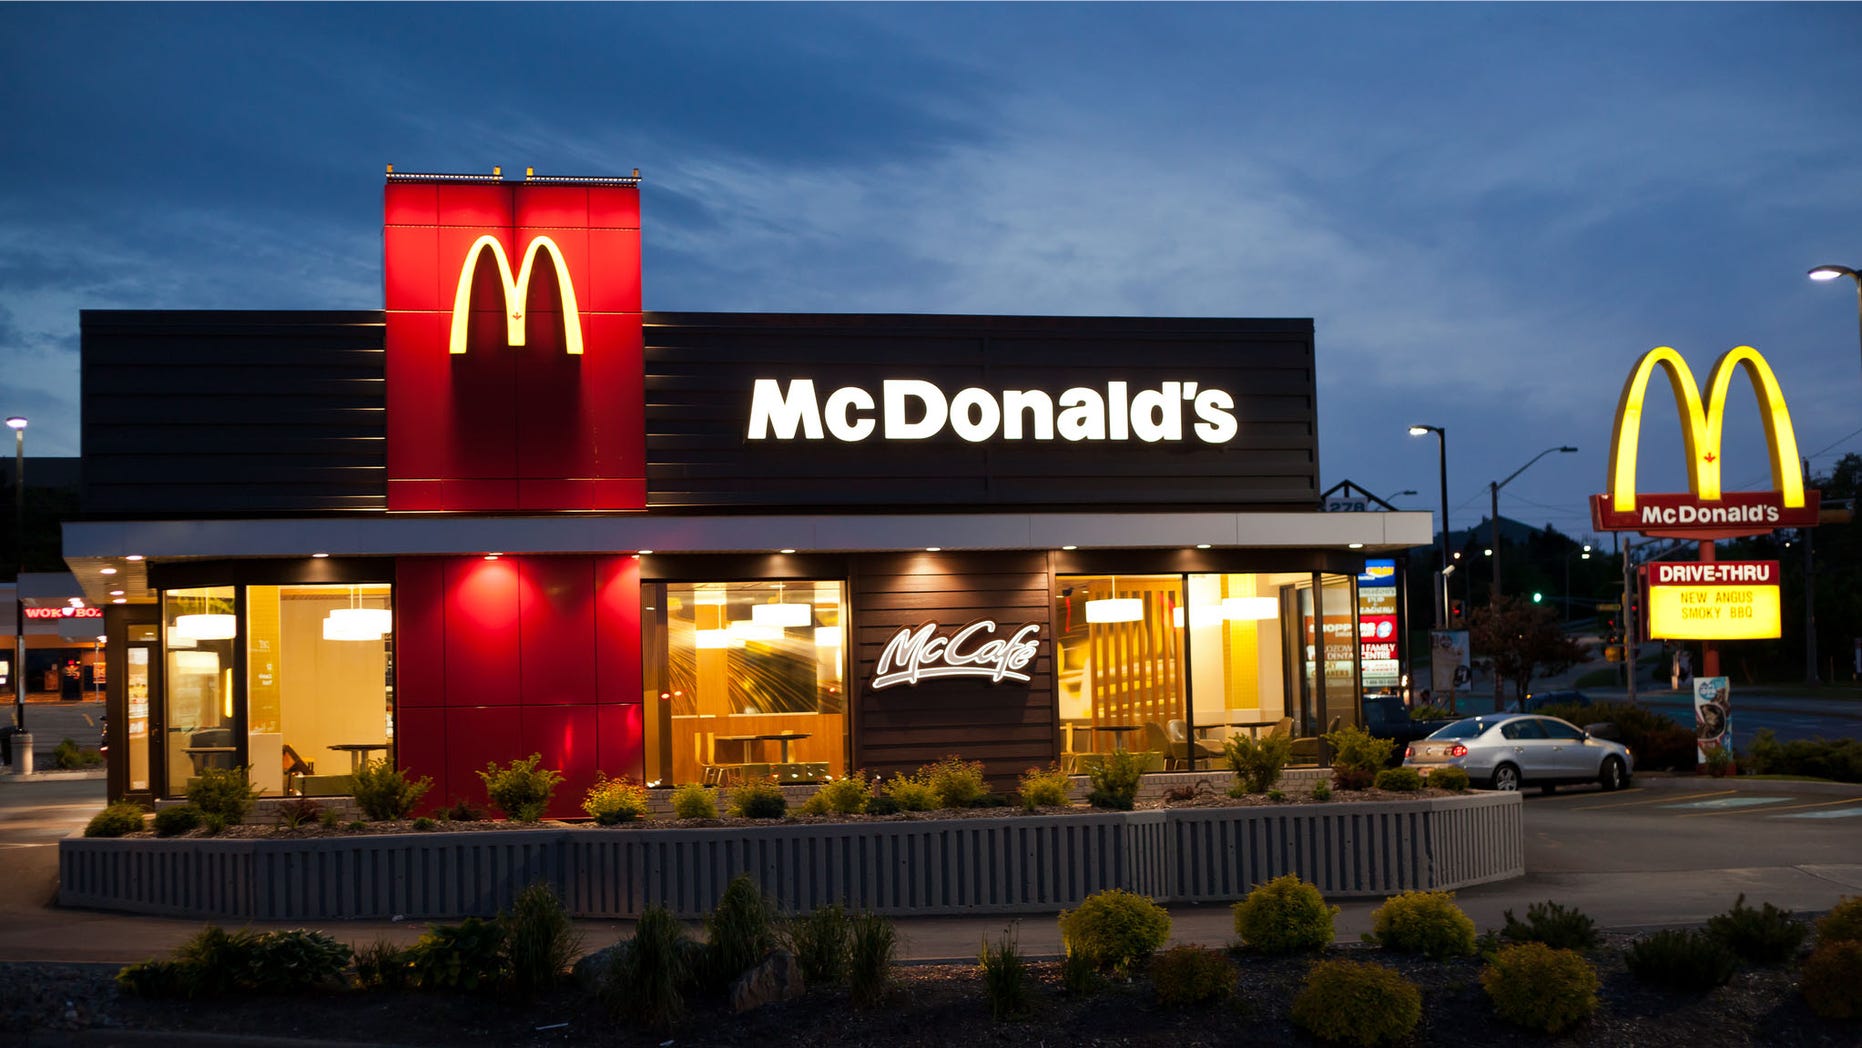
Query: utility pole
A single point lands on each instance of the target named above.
(1810, 597)
(1631, 629)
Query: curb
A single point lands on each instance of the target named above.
(99, 774)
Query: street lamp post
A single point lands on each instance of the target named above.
(1441, 570)
(22, 741)
(1585, 553)
(1832, 273)
(1493, 596)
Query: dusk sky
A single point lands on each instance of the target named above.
(1489, 211)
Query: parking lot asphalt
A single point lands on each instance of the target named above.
(1668, 851)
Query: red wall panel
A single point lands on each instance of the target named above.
(420, 632)
(617, 630)
(621, 744)
(475, 736)
(566, 737)
(482, 649)
(556, 630)
(420, 749)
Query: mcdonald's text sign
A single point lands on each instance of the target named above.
(514, 371)
(1705, 511)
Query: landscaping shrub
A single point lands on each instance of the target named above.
(1398, 780)
(216, 962)
(1831, 981)
(695, 801)
(1720, 762)
(1428, 923)
(1115, 929)
(1681, 960)
(1843, 922)
(1540, 988)
(1276, 796)
(1764, 936)
(425, 825)
(540, 940)
(67, 756)
(384, 792)
(115, 820)
(1321, 791)
(213, 822)
(464, 956)
(820, 942)
(758, 800)
(1425, 713)
(907, 793)
(1115, 781)
(462, 810)
(883, 804)
(1078, 975)
(646, 981)
(1839, 759)
(1045, 789)
(739, 931)
(611, 802)
(848, 796)
(381, 965)
(522, 791)
(328, 818)
(294, 960)
(1257, 763)
(958, 783)
(1554, 925)
(1449, 777)
(869, 962)
(1005, 978)
(225, 792)
(1352, 1002)
(1357, 756)
(1186, 975)
(1657, 741)
(1285, 915)
(296, 812)
(176, 820)
(155, 979)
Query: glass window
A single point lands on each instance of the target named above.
(319, 697)
(744, 680)
(1237, 656)
(1526, 728)
(1121, 667)
(199, 631)
(1556, 729)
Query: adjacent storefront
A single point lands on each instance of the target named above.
(512, 512)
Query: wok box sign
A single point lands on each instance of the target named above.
(1713, 600)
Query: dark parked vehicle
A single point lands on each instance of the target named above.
(1385, 717)
(1538, 700)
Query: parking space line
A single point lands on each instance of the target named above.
(1840, 813)
(1729, 806)
(1811, 804)
(1652, 799)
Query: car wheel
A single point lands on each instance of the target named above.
(1505, 777)
(1612, 777)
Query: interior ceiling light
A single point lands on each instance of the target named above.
(644, 552)
(1115, 608)
(106, 571)
(116, 593)
(747, 629)
(1069, 547)
(785, 551)
(357, 622)
(1247, 609)
(133, 556)
(207, 627)
(319, 556)
(1202, 545)
(780, 615)
(120, 600)
(1354, 545)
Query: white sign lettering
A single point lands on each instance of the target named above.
(918, 652)
(914, 409)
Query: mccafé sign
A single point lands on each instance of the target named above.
(1704, 512)
(975, 649)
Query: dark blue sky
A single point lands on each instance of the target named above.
(1490, 211)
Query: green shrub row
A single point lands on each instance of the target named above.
(1839, 759)
(1658, 742)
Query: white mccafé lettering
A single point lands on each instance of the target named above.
(919, 652)
(914, 409)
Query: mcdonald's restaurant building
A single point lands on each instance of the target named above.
(512, 512)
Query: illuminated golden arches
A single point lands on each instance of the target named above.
(516, 292)
(1701, 429)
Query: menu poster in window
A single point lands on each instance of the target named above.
(1377, 625)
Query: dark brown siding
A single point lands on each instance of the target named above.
(1007, 726)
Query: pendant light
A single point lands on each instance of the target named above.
(356, 622)
(1115, 608)
(207, 625)
(1245, 609)
(780, 615)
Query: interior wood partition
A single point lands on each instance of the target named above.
(1137, 667)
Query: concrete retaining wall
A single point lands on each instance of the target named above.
(1013, 864)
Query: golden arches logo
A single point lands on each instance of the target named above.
(1701, 428)
(516, 292)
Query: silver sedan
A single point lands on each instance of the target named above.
(1506, 750)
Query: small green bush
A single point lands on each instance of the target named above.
(1398, 780)
(1428, 923)
(870, 960)
(1690, 960)
(67, 756)
(848, 796)
(820, 942)
(294, 961)
(739, 931)
(647, 979)
(1273, 795)
(1426, 713)
(1554, 925)
(213, 822)
(1045, 788)
(908, 793)
(1357, 756)
(758, 800)
(1763, 936)
(1831, 981)
(216, 962)
(1285, 915)
(1321, 791)
(462, 810)
(541, 942)
(355, 825)
(1115, 781)
(226, 792)
(330, 819)
(115, 820)
(465, 956)
(1115, 929)
(381, 965)
(384, 792)
(882, 804)
(958, 783)
(1539, 988)
(1186, 975)
(176, 820)
(1843, 922)
(611, 802)
(1078, 975)
(425, 825)
(1449, 777)
(522, 791)
(1257, 763)
(1005, 978)
(155, 979)
(1352, 1002)
(694, 800)
(1839, 759)
(297, 812)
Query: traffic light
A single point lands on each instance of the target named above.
(1454, 610)
(1537, 597)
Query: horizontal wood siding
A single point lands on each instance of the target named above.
(1007, 726)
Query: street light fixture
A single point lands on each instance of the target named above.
(1441, 446)
(1493, 596)
(22, 742)
(1585, 554)
(1831, 273)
